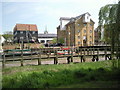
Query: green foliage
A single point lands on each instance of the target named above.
(109, 19)
(58, 75)
(8, 36)
(54, 41)
(61, 40)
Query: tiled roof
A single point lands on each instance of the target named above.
(47, 35)
(24, 27)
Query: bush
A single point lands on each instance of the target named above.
(79, 74)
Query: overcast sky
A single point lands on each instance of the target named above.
(46, 12)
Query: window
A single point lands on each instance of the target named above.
(78, 43)
(15, 33)
(33, 32)
(84, 31)
(78, 31)
(21, 32)
(90, 42)
(90, 31)
(48, 40)
(21, 38)
(90, 37)
(16, 38)
(42, 41)
(91, 25)
(78, 37)
(84, 38)
(78, 24)
(84, 24)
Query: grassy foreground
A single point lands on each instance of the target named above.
(102, 74)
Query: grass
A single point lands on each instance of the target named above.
(81, 75)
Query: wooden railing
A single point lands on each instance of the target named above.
(52, 53)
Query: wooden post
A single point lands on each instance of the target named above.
(105, 53)
(31, 54)
(87, 51)
(93, 51)
(97, 55)
(22, 57)
(68, 59)
(39, 57)
(71, 55)
(22, 54)
(56, 58)
(13, 55)
(81, 58)
(3, 62)
(84, 51)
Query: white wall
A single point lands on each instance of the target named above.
(63, 23)
(45, 39)
(86, 18)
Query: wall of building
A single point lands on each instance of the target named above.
(45, 39)
(78, 33)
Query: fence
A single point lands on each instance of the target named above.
(55, 54)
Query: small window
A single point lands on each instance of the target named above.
(90, 31)
(84, 24)
(78, 43)
(84, 31)
(84, 38)
(78, 24)
(48, 40)
(91, 25)
(90, 37)
(42, 41)
(78, 31)
(78, 37)
(33, 32)
(15, 33)
(16, 38)
(90, 42)
(21, 32)
(21, 38)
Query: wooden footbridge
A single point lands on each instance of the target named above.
(95, 52)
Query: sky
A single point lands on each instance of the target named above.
(46, 13)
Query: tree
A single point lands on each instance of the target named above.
(61, 40)
(54, 41)
(8, 36)
(109, 17)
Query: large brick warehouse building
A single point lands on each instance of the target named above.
(76, 31)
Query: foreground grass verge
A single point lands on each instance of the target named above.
(64, 75)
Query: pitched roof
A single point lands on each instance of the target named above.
(47, 35)
(26, 27)
(72, 19)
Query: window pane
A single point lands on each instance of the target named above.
(90, 31)
(84, 31)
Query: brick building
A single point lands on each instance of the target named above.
(25, 33)
(76, 31)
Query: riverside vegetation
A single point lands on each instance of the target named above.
(102, 74)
